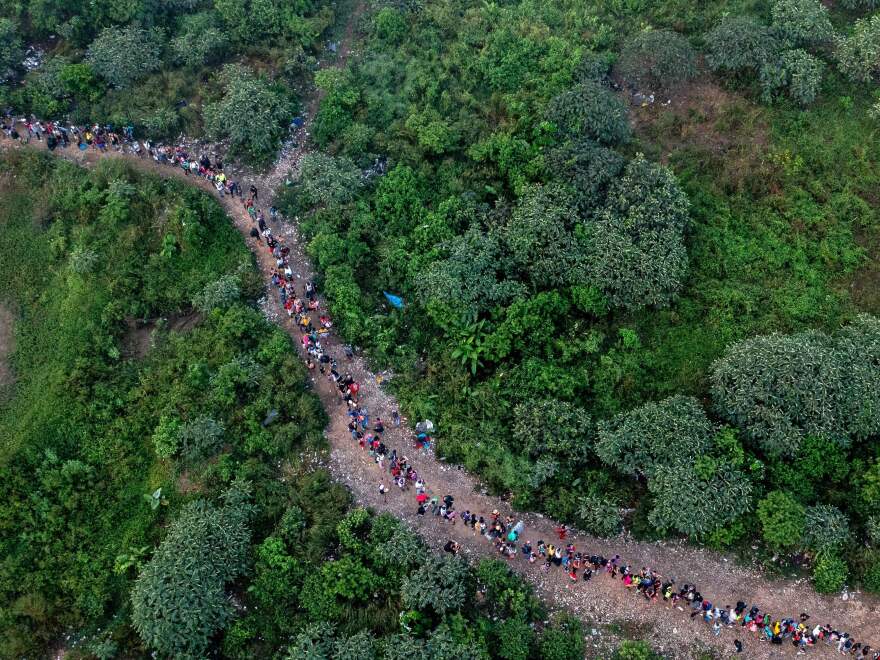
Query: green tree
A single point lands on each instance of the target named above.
(590, 111)
(219, 294)
(782, 520)
(178, 601)
(858, 54)
(359, 646)
(166, 437)
(200, 39)
(314, 642)
(588, 169)
(11, 48)
(780, 388)
(635, 246)
(634, 650)
(829, 573)
(123, 56)
(252, 113)
(696, 498)
(389, 26)
(801, 22)
(657, 59)
(326, 180)
(644, 440)
(803, 75)
(563, 640)
(558, 427)
(826, 528)
(439, 584)
(472, 276)
(201, 438)
(539, 237)
(599, 516)
(739, 44)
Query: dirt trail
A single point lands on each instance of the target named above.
(598, 602)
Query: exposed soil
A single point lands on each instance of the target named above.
(138, 337)
(602, 603)
(7, 345)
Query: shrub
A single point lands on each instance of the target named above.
(780, 388)
(739, 44)
(803, 75)
(123, 56)
(635, 246)
(658, 59)
(801, 22)
(253, 113)
(873, 529)
(438, 584)
(826, 528)
(201, 438)
(591, 111)
(858, 54)
(389, 26)
(599, 516)
(555, 427)
(588, 169)
(219, 294)
(697, 502)
(871, 577)
(200, 39)
(326, 180)
(829, 573)
(563, 640)
(166, 437)
(782, 520)
(634, 650)
(178, 601)
(644, 440)
(11, 48)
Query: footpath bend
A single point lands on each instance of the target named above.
(355, 402)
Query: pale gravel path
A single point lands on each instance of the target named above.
(598, 602)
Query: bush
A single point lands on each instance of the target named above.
(644, 440)
(803, 75)
(872, 528)
(438, 584)
(563, 640)
(555, 427)
(201, 438)
(11, 48)
(780, 388)
(219, 294)
(326, 180)
(739, 44)
(635, 247)
(826, 528)
(178, 601)
(657, 59)
(599, 516)
(634, 650)
(588, 169)
(200, 40)
(123, 56)
(782, 520)
(829, 573)
(801, 22)
(252, 114)
(858, 54)
(590, 111)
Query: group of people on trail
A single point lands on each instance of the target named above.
(106, 138)
(504, 533)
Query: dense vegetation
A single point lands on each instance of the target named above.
(159, 66)
(611, 306)
(150, 505)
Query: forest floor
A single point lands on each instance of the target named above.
(608, 610)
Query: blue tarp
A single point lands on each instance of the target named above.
(397, 301)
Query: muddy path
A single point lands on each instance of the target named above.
(603, 604)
